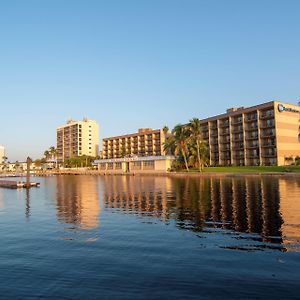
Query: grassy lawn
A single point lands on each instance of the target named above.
(258, 169)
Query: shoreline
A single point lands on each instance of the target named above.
(167, 174)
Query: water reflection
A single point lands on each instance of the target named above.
(27, 204)
(77, 201)
(268, 206)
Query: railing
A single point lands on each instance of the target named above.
(266, 115)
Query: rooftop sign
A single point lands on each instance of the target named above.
(282, 108)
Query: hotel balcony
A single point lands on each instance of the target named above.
(268, 145)
(251, 137)
(268, 125)
(222, 133)
(238, 147)
(251, 127)
(237, 130)
(249, 119)
(238, 157)
(252, 146)
(214, 150)
(267, 115)
(237, 121)
(238, 139)
(224, 141)
(265, 135)
(224, 124)
(226, 149)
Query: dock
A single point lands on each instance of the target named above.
(11, 184)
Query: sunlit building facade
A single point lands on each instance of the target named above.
(77, 138)
(265, 134)
(146, 142)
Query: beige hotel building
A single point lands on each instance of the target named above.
(265, 134)
(77, 138)
(141, 152)
(146, 142)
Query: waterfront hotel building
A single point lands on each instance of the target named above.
(146, 142)
(77, 138)
(265, 134)
(141, 152)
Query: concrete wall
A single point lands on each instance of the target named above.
(287, 133)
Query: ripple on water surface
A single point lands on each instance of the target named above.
(146, 237)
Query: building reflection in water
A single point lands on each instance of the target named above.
(290, 209)
(268, 206)
(78, 201)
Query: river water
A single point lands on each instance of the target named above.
(144, 237)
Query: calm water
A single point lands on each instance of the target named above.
(111, 237)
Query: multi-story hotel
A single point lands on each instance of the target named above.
(146, 142)
(77, 138)
(265, 134)
(138, 152)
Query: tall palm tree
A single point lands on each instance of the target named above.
(169, 145)
(47, 154)
(52, 152)
(181, 139)
(196, 136)
(165, 129)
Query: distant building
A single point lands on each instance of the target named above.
(77, 138)
(2, 154)
(265, 134)
(146, 142)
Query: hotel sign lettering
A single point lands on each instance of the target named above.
(282, 108)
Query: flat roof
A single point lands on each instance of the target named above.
(132, 134)
(134, 158)
(240, 110)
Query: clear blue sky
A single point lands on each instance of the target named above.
(131, 64)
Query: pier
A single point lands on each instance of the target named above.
(12, 184)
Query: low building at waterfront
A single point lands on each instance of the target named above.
(77, 138)
(146, 142)
(265, 134)
(135, 164)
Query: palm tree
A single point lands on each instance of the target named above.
(52, 152)
(181, 138)
(165, 129)
(169, 145)
(47, 154)
(4, 159)
(196, 136)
